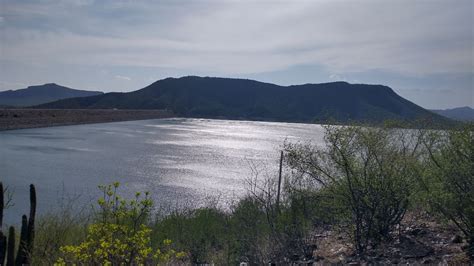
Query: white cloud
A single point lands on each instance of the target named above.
(336, 77)
(231, 38)
(5, 85)
(122, 77)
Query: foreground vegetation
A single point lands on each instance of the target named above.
(362, 184)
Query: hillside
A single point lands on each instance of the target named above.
(40, 94)
(461, 113)
(248, 99)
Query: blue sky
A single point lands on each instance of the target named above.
(423, 49)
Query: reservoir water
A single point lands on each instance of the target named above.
(176, 160)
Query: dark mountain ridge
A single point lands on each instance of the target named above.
(460, 113)
(39, 94)
(249, 99)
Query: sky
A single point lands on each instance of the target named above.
(423, 49)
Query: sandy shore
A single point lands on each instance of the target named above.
(32, 118)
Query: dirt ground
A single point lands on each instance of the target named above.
(419, 240)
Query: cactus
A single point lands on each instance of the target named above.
(2, 205)
(3, 238)
(27, 234)
(21, 257)
(31, 222)
(11, 247)
(3, 248)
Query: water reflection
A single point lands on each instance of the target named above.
(174, 159)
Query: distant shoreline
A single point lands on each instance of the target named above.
(11, 119)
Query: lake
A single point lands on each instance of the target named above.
(179, 161)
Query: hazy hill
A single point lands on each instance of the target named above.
(40, 94)
(461, 113)
(249, 99)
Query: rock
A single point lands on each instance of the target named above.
(378, 258)
(428, 261)
(354, 263)
(410, 248)
(294, 257)
(396, 256)
(456, 239)
(447, 258)
(417, 232)
(305, 262)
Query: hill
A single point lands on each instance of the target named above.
(248, 99)
(40, 94)
(460, 113)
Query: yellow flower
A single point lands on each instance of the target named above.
(108, 241)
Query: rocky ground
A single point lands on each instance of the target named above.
(31, 118)
(419, 240)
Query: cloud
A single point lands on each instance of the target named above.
(248, 37)
(11, 85)
(244, 38)
(336, 77)
(122, 77)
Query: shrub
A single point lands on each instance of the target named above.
(368, 171)
(120, 234)
(449, 177)
(203, 232)
(55, 230)
(271, 232)
(252, 231)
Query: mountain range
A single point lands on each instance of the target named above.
(460, 113)
(211, 97)
(40, 94)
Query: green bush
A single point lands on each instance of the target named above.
(368, 171)
(119, 234)
(204, 233)
(252, 231)
(271, 232)
(55, 230)
(449, 177)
